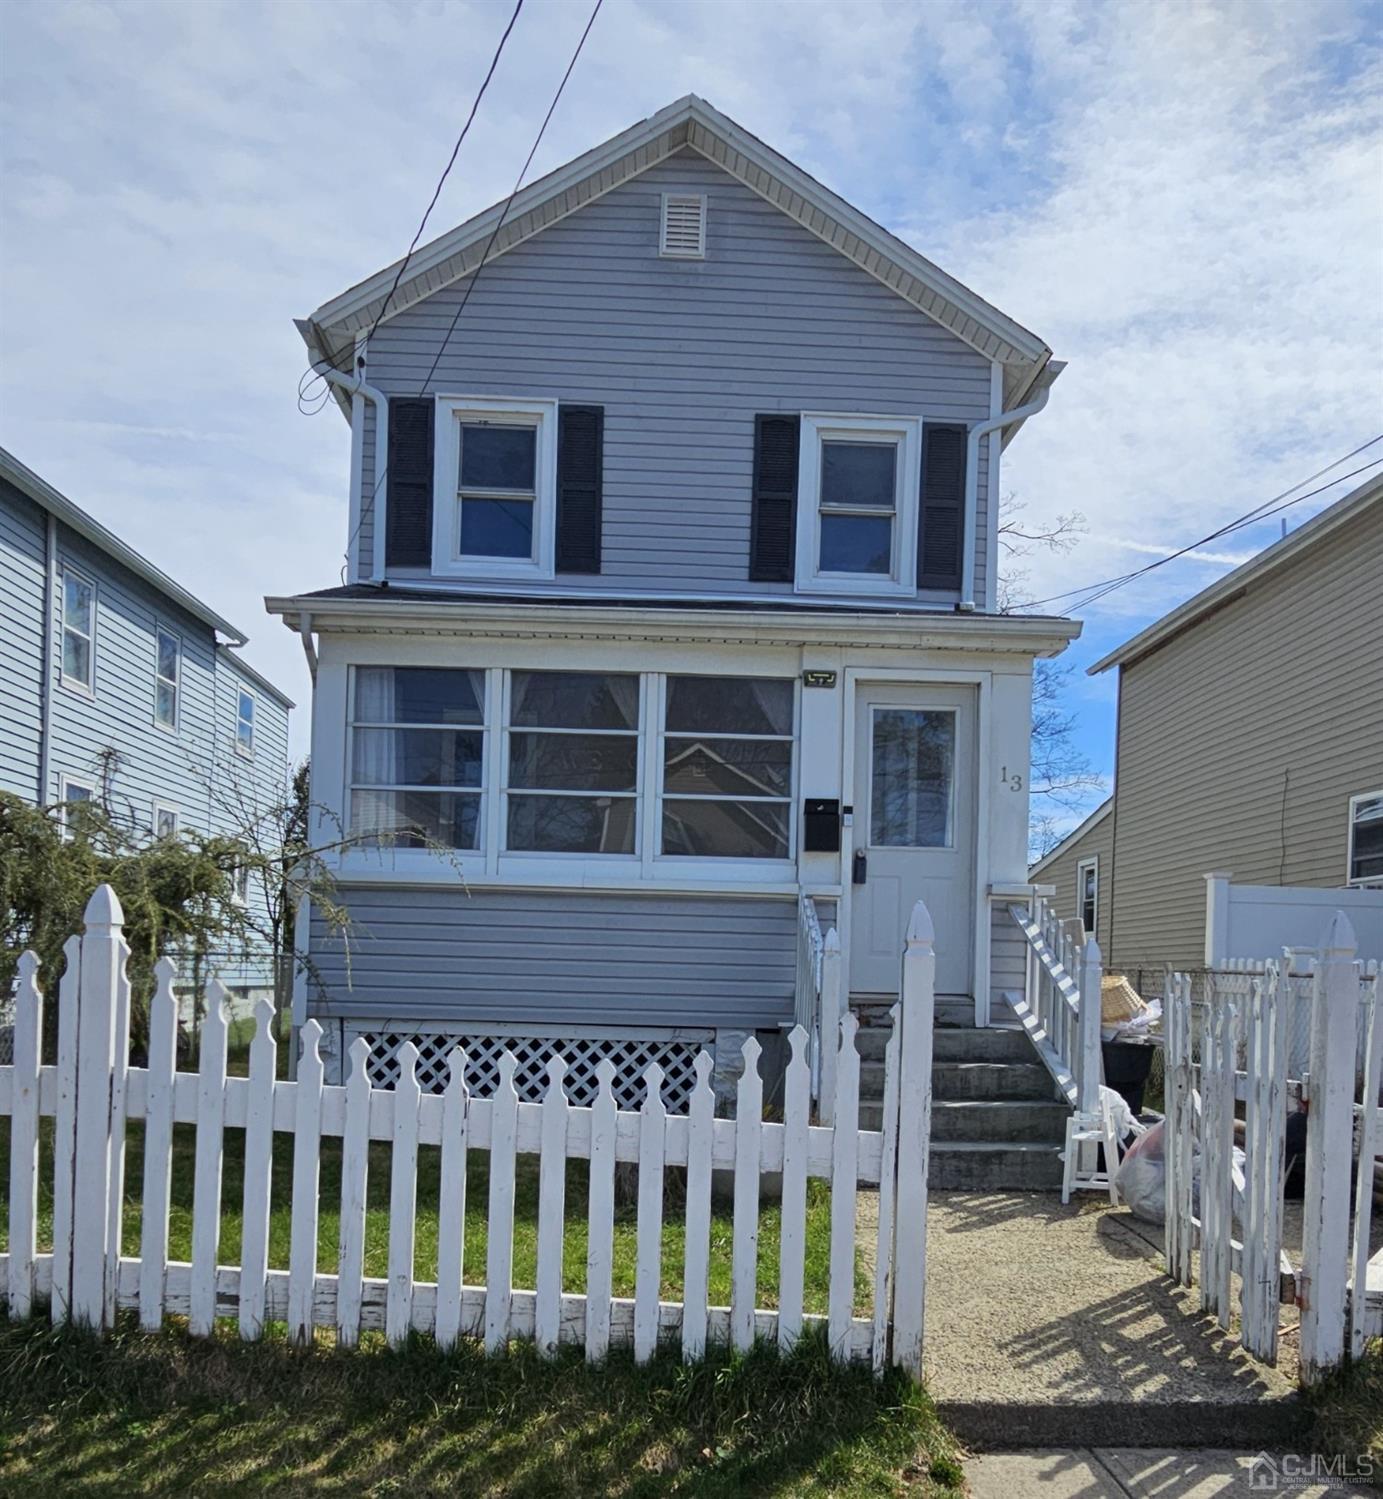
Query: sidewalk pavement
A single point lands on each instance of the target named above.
(1148, 1473)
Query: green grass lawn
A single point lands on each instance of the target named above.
(167, 1414)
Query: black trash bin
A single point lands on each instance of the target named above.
(1126, 1068)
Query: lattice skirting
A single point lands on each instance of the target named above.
(583, 1054)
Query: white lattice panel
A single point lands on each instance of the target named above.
(532, 1054)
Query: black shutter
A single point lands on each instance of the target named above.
(580, 479)
(408, 485)
(772, 524)
(941, 533)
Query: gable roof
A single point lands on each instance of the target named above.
(689, 123)
(1248, 575)
(1073, 837)
(42, 493)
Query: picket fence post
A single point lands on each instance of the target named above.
(24, 1133)
(1091, 981)
(828, 1024)
(101, 1054)
(917, 1003)
(1329, 1153)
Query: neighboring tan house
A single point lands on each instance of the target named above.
(671, 612)
(117, 685)
(1249, 745)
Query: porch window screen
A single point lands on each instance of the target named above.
(573, 763)
(727, 767)
(417, 755)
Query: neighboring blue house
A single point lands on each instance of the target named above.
(119, 685)
(672, 614)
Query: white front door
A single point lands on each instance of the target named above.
(915, 827)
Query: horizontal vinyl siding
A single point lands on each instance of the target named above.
(552, 958)
(22, 569)
(1061, 872)
(1242, 740)
(682, 355)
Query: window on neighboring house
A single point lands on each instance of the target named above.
(499, 460)
(727, 749)
(1366, 838)
(165, 820)
(240, 884)
(245, 723)
(417, 755)
(167, 668)
(857, 504)
(75, 792)
(78, 630)
(572, 763)
(1088, 894)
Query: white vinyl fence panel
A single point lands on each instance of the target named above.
(90, 1092)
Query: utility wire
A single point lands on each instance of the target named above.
(1091, 592)
(368, 507)
(312, 375)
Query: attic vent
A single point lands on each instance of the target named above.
(684, 226)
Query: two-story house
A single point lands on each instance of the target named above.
(671, 608)
(118, 685)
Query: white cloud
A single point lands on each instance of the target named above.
(1183, 199)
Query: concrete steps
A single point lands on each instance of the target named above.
(998, 1123)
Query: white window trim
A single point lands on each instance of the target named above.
(246, 752)
(75, 684)
(697, 254)
(159, 807)
(818, 427)
(447, 560)
(66, 780)
(170, 728)
(1093, 862)
(1364, 882)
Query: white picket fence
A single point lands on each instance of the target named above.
(1234, 1056)
(90, 1092)
(817, 1001)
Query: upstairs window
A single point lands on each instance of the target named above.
(78, 630)
(498, 463)
(1088, 894)
(245, 723)
(417, 754)
(1366, 839)
(573, 763)
(167, 668)
(727, 767)
(857, 504)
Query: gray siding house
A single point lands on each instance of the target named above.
(670, 627)
(1250, 744)
(116, 684)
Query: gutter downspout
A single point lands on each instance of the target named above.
(309, 645)
(45, 686)
(972, 486)
(355, 385)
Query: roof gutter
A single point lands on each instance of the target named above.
(976, 435)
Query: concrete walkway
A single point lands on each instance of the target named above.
(1048, 1326)
(1123, 1473)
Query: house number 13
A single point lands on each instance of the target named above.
(1013, 781)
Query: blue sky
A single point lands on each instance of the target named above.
(1184, 200)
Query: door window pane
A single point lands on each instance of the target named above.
(572, 824)
(859, 474)
(724, 829)
(913, 768)
(856, 544)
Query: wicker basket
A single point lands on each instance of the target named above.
(1119, 1000)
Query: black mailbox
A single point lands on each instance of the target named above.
(821, 825)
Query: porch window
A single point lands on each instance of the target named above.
(417, 756)
(727, 767)
(573, 763)
(78, 631)
(1366, 839)
(1088, 894)
(857, 506)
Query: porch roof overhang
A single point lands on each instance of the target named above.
(392, 611)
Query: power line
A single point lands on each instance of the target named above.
(518, 182)
(1092, 592)
(334, 357)
(369, 507)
